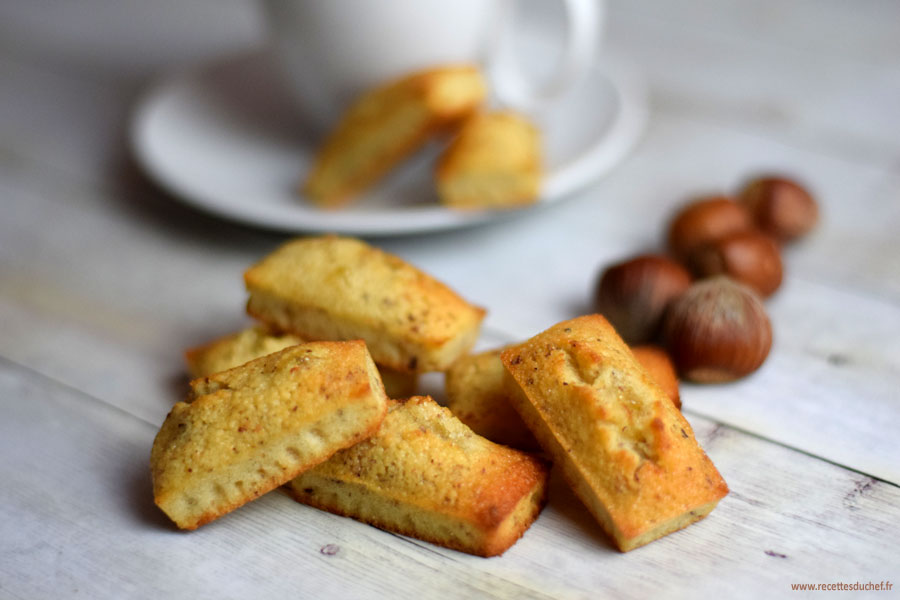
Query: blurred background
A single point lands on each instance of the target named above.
(803, 68)
(810, 87)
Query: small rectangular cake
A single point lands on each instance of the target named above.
(252, 428)
(478, 396)
(386, 125)
(243, 346)
(426, 475)
(494, 162)
(337, 288)
(625, 449)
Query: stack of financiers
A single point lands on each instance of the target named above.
(270, 407)
(299, 401)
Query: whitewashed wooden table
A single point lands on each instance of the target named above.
(104, 279)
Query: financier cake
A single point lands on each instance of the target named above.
(494, 162)
(386, 125)
(337, 288)
(236, 349)
(625, 449)
(426, 475)
(477, 395)
(243, 346)
(255, 427)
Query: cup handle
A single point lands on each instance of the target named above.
(514, 89)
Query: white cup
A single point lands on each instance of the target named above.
(332, 50)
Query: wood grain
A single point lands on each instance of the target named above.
(105, 279)
(81, 502)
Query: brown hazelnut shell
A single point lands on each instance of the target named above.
(750, 257)
(780, 207)
(705, 221)
(717, 331)
(633, 295)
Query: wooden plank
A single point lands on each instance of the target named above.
(834, 368)
(105, 292)
(77, 477)
(103, 283)
(79, 519)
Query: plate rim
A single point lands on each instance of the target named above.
(623, 133)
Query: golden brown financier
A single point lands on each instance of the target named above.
(625, 449)
(337, 288)
(494, 162)
(255, 427)
(426, 475)
(477, 395)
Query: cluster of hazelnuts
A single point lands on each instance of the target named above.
(703, 302)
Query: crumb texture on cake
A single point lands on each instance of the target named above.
(427, 475)
(386, 125)
(332, 287)
(494, 162)
(236, 349)
(625, 449)
(477, 394)
(254, 342)
(254, 427)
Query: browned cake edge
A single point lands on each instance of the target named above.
(505, 509)
(527, 177)
(578, 480)
(481, 542)
(293, 459)
(264, 485)
(398, 354)
(397, 384)
(377, 169)
(572, 474)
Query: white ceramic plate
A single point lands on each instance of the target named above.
(224, 138)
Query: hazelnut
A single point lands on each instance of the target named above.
(705, 221)
(633, 295)
(657, 363)
(780, 207)
(717, 331)
(750, 257)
